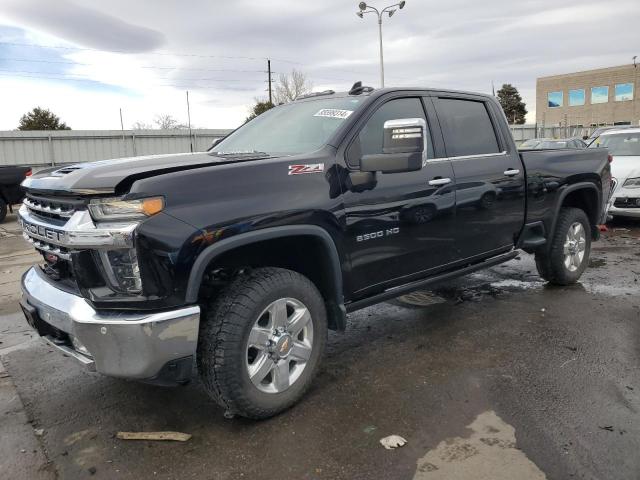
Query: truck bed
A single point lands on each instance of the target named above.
(551, 172)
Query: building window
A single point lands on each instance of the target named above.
(599, 95)
(554, 99)
(576, 97)
(624, 92)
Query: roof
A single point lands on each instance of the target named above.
(621, 130)
(376, 92)
(616, 68)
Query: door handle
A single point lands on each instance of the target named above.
(512, 172)
(436, 182)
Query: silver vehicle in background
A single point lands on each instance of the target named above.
(551, 143)
(600, 130)
(624, 147)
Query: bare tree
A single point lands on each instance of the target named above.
(141, 126)
(167, 122)
(291, 86)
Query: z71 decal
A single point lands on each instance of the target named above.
(302, 169)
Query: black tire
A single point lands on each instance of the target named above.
(224, 334)
(3, 210)
(550, 262)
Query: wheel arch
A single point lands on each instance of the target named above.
(583, 195)
(328, 279)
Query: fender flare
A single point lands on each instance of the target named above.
(336, 300)
(563, 195)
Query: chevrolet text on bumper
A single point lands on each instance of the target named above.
(119, 344)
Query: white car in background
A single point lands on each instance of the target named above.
(624, 147)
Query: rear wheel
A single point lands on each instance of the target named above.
(261, 341)
(568, 255)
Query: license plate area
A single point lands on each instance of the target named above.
(43, 328)
(30, 313)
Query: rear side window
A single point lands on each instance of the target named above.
(468, 128)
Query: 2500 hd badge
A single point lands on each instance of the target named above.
(382, 233)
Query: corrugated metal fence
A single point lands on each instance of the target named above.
(526, 132)
(49, 147)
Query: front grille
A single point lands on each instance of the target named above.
(626, 202)
(46, 247)
(52, 213)
(59, 209)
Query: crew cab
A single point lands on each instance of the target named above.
(240, 258)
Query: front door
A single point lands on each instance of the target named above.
(490, 181)
(402, 223)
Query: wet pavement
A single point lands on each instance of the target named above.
(495, 375)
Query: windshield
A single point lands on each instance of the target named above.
(530, 144)
(547, 145)
(290, 129)
(619, 144)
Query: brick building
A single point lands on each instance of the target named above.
(606, 96)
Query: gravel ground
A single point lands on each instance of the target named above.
(495, 375)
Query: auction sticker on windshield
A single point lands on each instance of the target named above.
(333, 113)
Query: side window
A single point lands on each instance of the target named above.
(469, 130)
(369, 140)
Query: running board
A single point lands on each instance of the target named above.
(426, 282)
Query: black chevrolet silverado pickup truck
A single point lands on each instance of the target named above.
(238, 260)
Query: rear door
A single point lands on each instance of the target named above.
(400, 224)
(490, 178)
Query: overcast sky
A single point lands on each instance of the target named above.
(143, 55)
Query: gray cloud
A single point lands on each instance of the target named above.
(457, 44)
(85, 26)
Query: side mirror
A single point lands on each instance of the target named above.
(585, 137)
(404, 147)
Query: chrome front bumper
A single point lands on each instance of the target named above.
(119, 344)
(624, 212)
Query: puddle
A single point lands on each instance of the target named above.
(613, 290)
(474, 293)
(421, 298)
(488, 453)
(517, 284)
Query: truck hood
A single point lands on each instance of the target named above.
(104, 176)
(624, 167)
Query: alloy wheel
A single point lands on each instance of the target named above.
(279, 345)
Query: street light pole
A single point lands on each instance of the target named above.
(381, 55)
(390, 10)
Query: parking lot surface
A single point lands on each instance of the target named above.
(495, 375)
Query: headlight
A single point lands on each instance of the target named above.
(632, 183)
(117, 209)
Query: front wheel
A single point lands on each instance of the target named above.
(568, 255)
(261, 341)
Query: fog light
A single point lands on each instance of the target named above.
(122, 270)
(78, 346)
